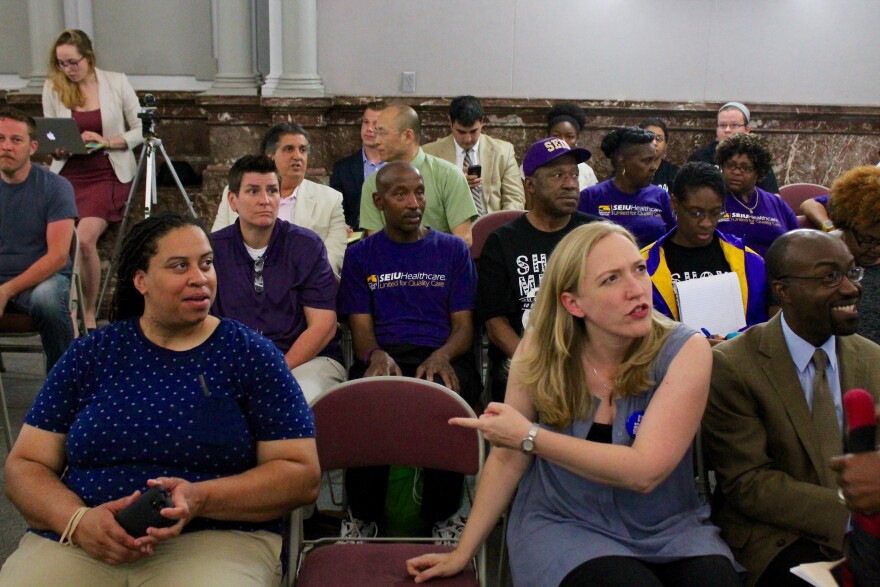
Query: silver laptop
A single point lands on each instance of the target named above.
(59, 133)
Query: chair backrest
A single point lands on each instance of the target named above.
(796, 194)
(484, 226)
(394, 421)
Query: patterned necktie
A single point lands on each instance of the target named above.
(825, 414)
(476, 192)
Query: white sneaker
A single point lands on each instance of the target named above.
(449, 531)
(355, 528)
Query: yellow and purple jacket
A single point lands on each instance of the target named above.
(746, 263)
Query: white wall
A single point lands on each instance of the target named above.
(785, 51)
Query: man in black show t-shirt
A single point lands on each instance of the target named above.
(515, 255)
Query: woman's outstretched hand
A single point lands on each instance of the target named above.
(501, 424)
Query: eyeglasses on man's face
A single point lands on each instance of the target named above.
(834, 278)
(730, 126)
(713, 215)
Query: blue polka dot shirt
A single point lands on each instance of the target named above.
(133, 411)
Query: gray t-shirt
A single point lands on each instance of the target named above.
(26, 209)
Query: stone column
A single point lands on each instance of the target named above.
(299, 40)
(235, 67)
(45, 21)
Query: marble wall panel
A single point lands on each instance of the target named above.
(809, 143)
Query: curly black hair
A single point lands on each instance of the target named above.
(566, 112)
(697, 174)
(753, 146)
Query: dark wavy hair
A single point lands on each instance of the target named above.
(652, 121)
(695, 175)
(250, 164)
(622, 138)
(566, 112)
(466, 110)
(270, 141)
(753, 146)
(138, 247)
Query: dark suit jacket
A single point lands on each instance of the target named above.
(773, 484)
(348, 177)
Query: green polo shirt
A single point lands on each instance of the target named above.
(448, 200)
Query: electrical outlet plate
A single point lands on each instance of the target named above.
(408, 84)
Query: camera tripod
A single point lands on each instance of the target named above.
(152, 144)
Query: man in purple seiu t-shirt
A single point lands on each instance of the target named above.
(409, 293)
(274, 277)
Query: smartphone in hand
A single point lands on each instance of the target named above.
(143, 513)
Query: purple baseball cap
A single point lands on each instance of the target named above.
(546, 150)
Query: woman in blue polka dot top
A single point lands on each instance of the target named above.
(166, 394)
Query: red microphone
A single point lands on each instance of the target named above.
(863, 553)
(861, 421)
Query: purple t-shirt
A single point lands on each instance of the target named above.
(770, 218)
(410, 289)
(647, 214)
(296, 273)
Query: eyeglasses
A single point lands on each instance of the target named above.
(258, 274)
(863, 242)
(833, 279)
(713, 215)
(733, 126)
(659, 138)
(743, 167)
(70, 63)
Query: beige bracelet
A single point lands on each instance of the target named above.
(67, 535)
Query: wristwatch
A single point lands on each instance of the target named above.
(528, 443)
(827, 226)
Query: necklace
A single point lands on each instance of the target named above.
(743, 204)
(601, 380)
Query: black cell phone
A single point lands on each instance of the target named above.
(475, 170)
(143, 513)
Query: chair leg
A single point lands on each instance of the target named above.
(7, 428)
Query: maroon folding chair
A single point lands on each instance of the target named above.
(796, 194)
(384, 421)
(485, 225)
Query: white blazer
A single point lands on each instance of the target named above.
(119, 109)
(318, 208)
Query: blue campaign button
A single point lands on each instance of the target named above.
(633, 422)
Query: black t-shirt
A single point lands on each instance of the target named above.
(694, 262)
(512, 264)
(707, 155)
(664, 175)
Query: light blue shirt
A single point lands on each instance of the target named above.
(369, 167)
(802, 354)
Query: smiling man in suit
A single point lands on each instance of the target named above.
(349, 173)
(775, 416)
(303, 202)
(499, 185)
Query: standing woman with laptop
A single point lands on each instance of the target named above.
(105, 108)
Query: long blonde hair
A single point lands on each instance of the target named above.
(551, 367)
(69, 93)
